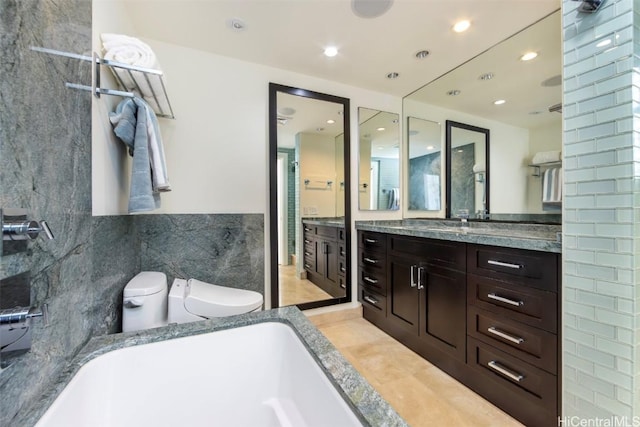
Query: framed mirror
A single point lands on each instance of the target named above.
(425, 164)
(378, 160)
(467, 171)
(309, 198)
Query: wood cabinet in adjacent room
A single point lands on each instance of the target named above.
(324, 257)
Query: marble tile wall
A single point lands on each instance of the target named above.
(45, 161)
(45, 167)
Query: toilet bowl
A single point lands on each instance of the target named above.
(192, 300)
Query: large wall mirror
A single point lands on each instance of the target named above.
(379, 160)
(468, 171)
(519, 102)
(425, 164)
(309, 197)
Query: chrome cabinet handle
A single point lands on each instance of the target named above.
(370, 260)
(370, 280)
(370, 241)
(506, 336)
(413, 279)
(420, 284)
(307, 266)
(308, 253)
(307, 241)
(368, 299)
(343, 286)
(505, 300)
(504, 264)
(343, 269)
(504, 371)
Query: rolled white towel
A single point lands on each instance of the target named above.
(546, 157)
(477, 168)
(132, 51)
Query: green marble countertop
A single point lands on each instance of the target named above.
(537, 237)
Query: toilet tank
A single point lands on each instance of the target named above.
(144, 301)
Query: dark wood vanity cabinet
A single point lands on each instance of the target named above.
(324, 259)
(488, 316)
(512, 329)
(426, 302)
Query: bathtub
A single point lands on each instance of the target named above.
(255, 375)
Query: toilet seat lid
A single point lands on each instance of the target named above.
(145, 283)
(208, 300)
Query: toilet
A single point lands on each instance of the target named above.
(192, 300)
(147, 303)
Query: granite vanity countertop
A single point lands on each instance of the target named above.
(332, 222)
(369, 407)
(538, 237)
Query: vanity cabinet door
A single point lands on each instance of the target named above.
(403, 302)
(443, 310)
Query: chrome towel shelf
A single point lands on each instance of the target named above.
(134, 72)
(537, 167)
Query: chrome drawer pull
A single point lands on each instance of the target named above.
(368, 299)
(343, 269)
(308, 253)
(506, 300)
(370, 280)
(514, 376)
(413, 278)
(370, 260)
(307, 241)
(307, 266)
(498, 332)
(370, 240)
(504, 264)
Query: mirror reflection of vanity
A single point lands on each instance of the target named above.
(526, 124)
(309, 152)
(379, 160)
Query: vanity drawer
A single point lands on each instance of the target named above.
(326, 232)
(371, 259)
(371, 241)
(373, 279)
(533, 345)
(531, 268)
(532, 306)
(442, 253)
(373, 301)
(513, 376)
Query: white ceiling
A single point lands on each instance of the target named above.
(291, 34)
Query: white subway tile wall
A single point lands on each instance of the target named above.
(601, 328)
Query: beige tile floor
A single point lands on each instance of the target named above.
(297, 291)
(421, 393)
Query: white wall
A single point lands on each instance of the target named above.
(217, 147)
(546, 138)
(318, 166)
(509, 156)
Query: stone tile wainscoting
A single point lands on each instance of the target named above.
(45, 167)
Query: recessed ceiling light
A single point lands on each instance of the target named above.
(236, 24)
(393, 75)
(422, 54)
(380, 129)
(461, 26)
(453, 92)
(331, 121)
(528, 56)
(330, 51)
(430, 147)
(486, 76)
(499, 102)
